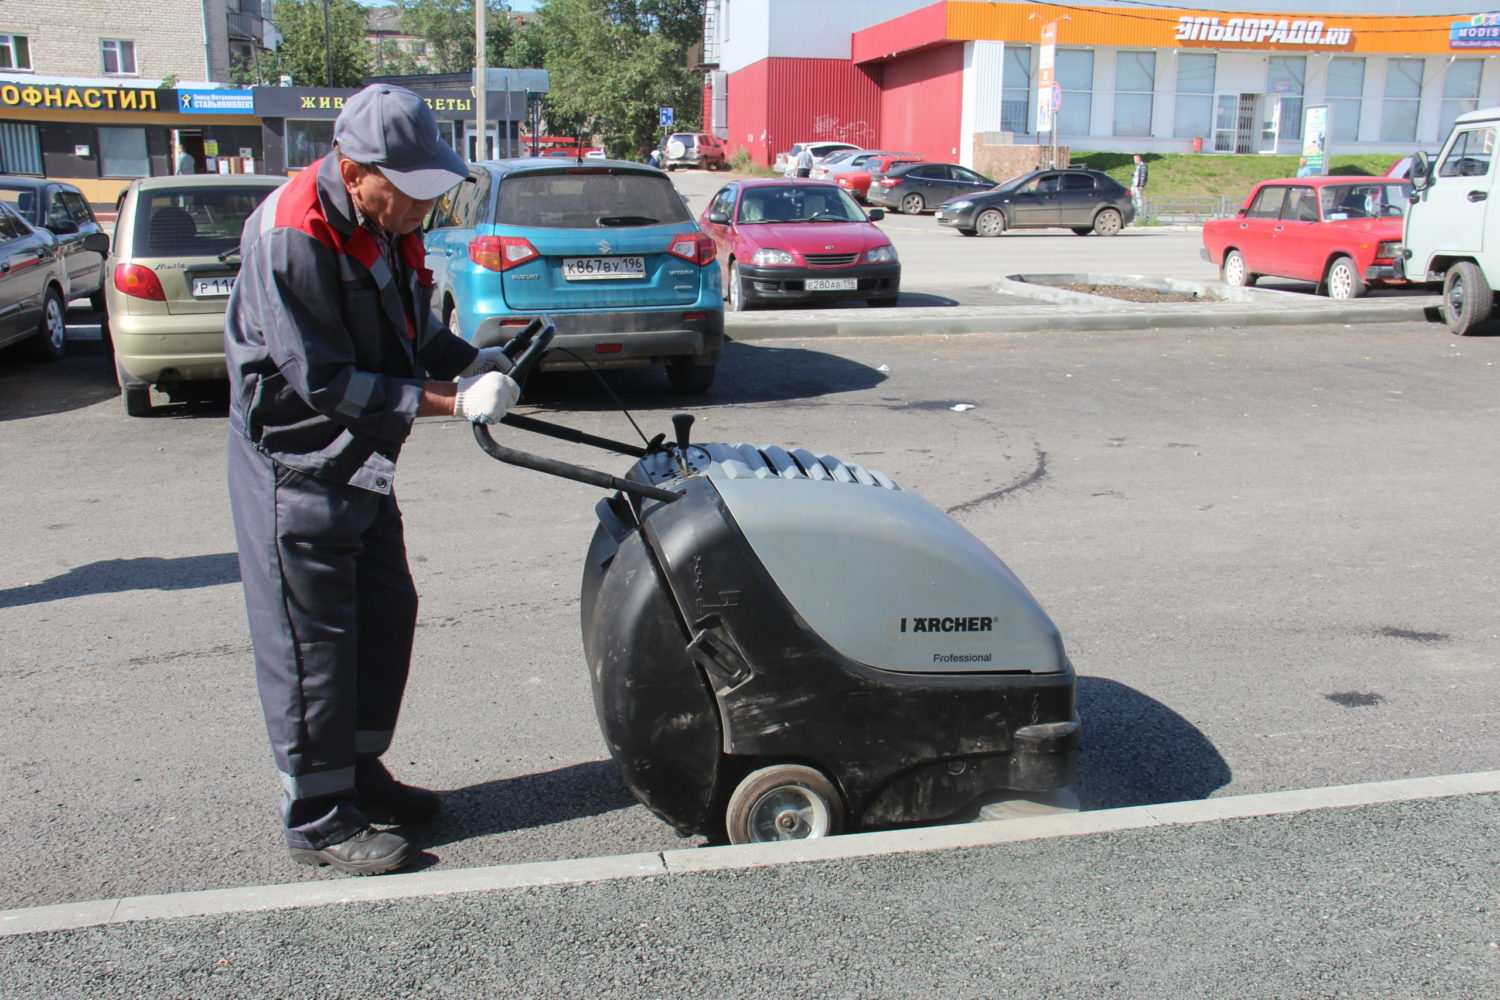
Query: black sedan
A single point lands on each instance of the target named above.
(1085, 201)
(916, 187)
(62, 210)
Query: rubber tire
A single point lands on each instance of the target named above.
(1347, 279)
(734, 295)
(1236, 274)
(688, 377)
(51, 340)
(1465, 282)
(1108, 222)
(824, 805)
(990, 222)
(913, 204)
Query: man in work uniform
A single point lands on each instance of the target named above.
(333, 353)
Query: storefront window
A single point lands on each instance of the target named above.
(1403, 99)
(122, 152)
(1460, 91)
(1284, 81)
(20, 148)
(307, 141)
(1075, 73)
(1135, 86)
(1015, 94)
(1346, 87)
(1195, 88)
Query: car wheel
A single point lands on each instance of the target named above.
(1467, 299)
(1343, 281)
(1234, 272)
(689, 377)
(991, 222)
(1108, 222)
(738, 302)
(912, 204)
(1082, 230)
(783, 802)
(51, 339)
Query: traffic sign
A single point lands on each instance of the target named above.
(666, 117)
(1056, 96)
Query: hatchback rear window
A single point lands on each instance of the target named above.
(193, 222)
(588, 200)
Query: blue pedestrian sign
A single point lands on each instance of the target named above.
(666, 117)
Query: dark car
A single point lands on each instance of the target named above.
(799, 241)
(919, 187)
(62, 210)
(1085, 201)
(34, 285)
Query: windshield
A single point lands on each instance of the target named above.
(798, 203)
(23, 200)
(194, 221)
(592, 198)
(1364, 201)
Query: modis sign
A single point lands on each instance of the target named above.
(1261, 32)
(1482, 31)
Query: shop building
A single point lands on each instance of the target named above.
(947, 79)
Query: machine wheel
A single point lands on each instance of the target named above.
(1343, 281)
(783, 802)
(51, 338)
(913, 204)
(1234, 273)
(738, 302)
(991, 222)
(1108, 222)
(1467, 299)
(689, 377)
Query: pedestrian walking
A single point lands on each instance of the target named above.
(1138, 177)
(804, 162)
(333, 352)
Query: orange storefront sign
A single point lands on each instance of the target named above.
(1221, 29)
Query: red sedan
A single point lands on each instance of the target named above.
(1343, 233)
(798, 241)
(857, 182)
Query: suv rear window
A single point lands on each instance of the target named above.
(588, 200)
(193, 222)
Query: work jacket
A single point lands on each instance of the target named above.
(326, 361)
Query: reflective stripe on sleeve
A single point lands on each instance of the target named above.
(357, 394)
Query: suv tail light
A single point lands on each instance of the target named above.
(501, 253)
(696, 248)
(139, 281)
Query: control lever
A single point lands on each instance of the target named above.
(683, 424)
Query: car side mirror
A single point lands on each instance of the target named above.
(719, 218)
(876, 214)
(62, 227)
(97, 243)
(1242, 213)
(1421, 169)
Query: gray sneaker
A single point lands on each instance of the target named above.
(368, 852)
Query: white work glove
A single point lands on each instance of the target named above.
(485, 398)
(489, 359)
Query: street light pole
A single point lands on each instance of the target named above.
(481, 84)
(327, 44)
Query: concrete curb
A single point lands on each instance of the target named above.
(254, 899)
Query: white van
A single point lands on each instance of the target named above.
(1448, 234)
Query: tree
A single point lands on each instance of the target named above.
(307, 50)
(448, 28)
(613, 63)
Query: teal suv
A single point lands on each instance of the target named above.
(606, 248)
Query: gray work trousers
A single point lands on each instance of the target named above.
(332, 610)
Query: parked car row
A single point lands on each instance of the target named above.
(52, 250)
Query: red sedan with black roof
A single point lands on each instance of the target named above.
(799, 241)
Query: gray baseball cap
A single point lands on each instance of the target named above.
(392, 128)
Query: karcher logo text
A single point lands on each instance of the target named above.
(973, 623)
